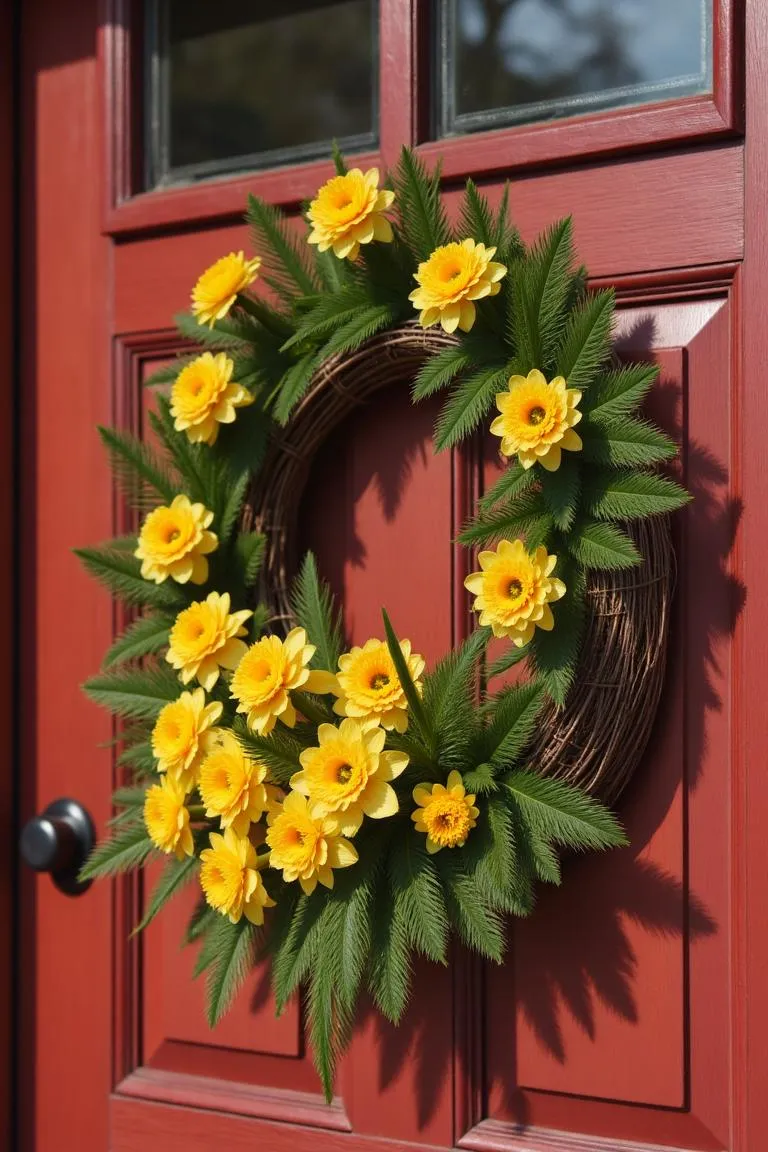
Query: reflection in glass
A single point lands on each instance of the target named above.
(238, 84)
(507, 61)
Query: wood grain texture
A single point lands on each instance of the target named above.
(8, 318)
(66, 621)
(749, 796)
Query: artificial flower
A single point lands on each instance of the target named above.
(453, 277)
(367, 684)
(537, 420)
(446, 814)
(307, 845)
(204, 396)
(348, 773)
(513, 590)
(232, 785)
(217, 289)
(182, 734)
(347, 212)
(271, 669)
(174, 541)
(230, 878)
(205, 638)
(167, 819)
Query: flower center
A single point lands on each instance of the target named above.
(514, 588)
(452, 269)
(344, 773)
(172, 535)
(379, 680)
(261, 670)
(536, 415)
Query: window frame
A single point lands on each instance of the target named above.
(404, 68)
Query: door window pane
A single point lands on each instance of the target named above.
(511, 61)
(240, 84)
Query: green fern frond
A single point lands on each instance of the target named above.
(142, 638)
(625, 442)
(283, 256)
(440, 370)
(122, 852)
(120, 572)
(514, 481)
(174, 876)
(468, 406)
(423, 221)
(599, 545)
(561, 491)
(586, 342)
(512, 720)
(234, 946)
(139, 471)
(540, 288)
(140, 693)
(619, 392)
(312, 606)
(565, 815)
(629, 495)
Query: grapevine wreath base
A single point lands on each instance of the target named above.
(598, 738)
(344, 809)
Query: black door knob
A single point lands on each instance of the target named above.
(59, 841)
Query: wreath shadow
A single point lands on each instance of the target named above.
(598, 969)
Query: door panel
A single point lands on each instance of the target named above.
(612, 1019)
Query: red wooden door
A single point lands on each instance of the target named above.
(631, 1011)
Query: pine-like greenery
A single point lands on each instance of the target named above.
(361, 937)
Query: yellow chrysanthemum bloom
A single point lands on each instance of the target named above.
(451, 280)
(232, 785)
(167, 819)
(367, 684)
(217, 289)
(271, 669)
(204, 396)
(347, 213)
(349, 773)
(446, 814)
(537, 420)
(514, 589)
(307, 845)
(206, 637)
(174, 541)
(182, 734)
(230, 879)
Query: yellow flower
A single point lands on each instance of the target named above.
(367, 684)
(204, 396)
(451, 279)
(306, 845)
(232, 785)
(205, 638)
(175, 542)
(167, 819)
(537, 420)
(183, 734)
(514, 589)
(216, 290)
(349, 773)
(347, 213)
(269, 670)
(446, 814)
(230, 879)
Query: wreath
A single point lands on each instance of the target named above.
(342, 809)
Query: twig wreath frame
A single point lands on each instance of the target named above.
(344, 810)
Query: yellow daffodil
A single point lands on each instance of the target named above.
(167, 819)
(217, 289)
(451, 280)
(271, 669)
(347, 212)
(348, 774)
(232, 785)
(513, 590)
(307, 845)
(182, 734)
(205, 638)
(537, 420)
(204, 396)
(230, 878)
(367, 684)
(446, 814)
(174, 541)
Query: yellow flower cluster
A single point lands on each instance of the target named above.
(347, 776)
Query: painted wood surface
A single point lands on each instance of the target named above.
(632, 1012)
